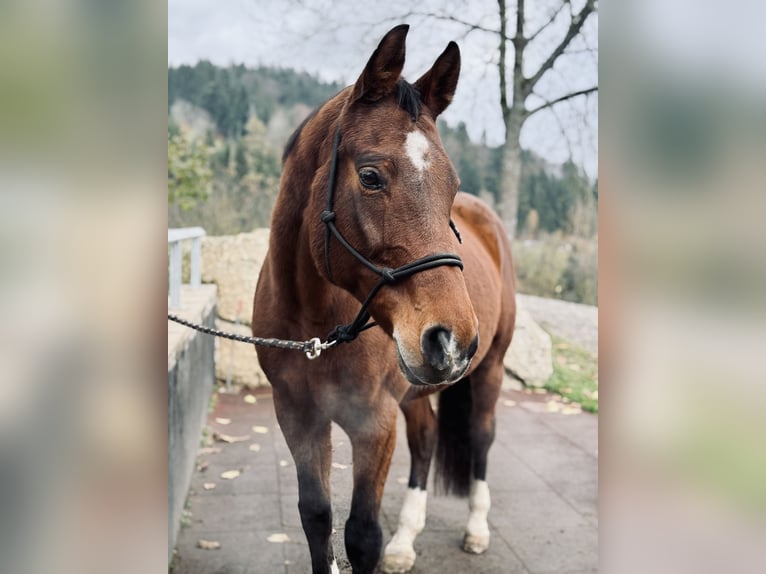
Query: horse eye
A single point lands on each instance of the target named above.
(370, 178)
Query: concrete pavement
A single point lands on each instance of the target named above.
(543, 476)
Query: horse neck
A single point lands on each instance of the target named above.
(293, 268)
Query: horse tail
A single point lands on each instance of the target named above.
(453, 449)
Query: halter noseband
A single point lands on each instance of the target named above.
(347, 333)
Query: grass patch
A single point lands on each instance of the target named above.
(575, 374)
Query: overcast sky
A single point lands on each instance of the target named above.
(334, 38)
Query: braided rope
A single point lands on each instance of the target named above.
(312, 347)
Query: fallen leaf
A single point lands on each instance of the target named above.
(230, 474)
(209, 544)
(260, 429)
(574, 409)
(574, 366)
(339, 465)
(255, 447)
(222, 421)
(539, 391)
(228, 438)
(402, 480)
(509, 403)
(278, 538)
(566, 390)
(249, 399)
(209, 485)
(562, 346)
(594, 395)
(210, 450)
(202, 466)
(553, 406)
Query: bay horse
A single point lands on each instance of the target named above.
(368, 212)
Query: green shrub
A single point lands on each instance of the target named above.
(558, 267)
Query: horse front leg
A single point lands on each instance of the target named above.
(308, 437)
(373, 438)
(485, 390)
(399, 555)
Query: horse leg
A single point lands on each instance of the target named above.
(485, 390)
(373, 437)
(399, 555)
(308, 436)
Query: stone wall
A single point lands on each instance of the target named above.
(233, 264)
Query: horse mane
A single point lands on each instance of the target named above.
(407, 98)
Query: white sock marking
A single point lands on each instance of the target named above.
(417, 149)
(334, 567)
(412, 520)
(479, 504)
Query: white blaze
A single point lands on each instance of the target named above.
(417, 149)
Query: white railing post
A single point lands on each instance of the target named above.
(175, 272)
(196, 264)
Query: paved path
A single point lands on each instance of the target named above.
(542, 474)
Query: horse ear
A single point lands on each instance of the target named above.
(437, 85)
(384, 68)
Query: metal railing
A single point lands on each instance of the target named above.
(176, 237)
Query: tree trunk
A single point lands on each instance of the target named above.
(510, 181)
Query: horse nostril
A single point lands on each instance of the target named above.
(437, 344)
(472, 348)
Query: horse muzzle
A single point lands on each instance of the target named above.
(442, 360)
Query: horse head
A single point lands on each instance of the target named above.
(392, 190)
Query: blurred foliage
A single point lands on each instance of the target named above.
(558, 266)
(232, 94)
(189, 172)
(575, 374)
(245, 182)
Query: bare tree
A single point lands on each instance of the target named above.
(516, 112)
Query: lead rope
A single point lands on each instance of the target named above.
(313, 347)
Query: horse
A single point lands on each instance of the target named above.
(368, 226)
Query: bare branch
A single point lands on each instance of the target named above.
(519, 44)
(574, 29)
(449, 18)
(569, 96)
(549, 22)
(501, 64)
(551, 103)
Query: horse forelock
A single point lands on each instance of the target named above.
(407, 98)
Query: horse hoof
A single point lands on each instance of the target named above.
(474, 544)
(399, 561)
